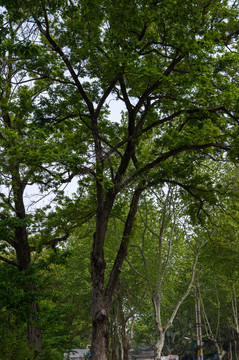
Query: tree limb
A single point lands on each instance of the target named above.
(122, 252)
(10, 262)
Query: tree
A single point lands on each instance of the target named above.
(15, 107)
(218, 278)
(169, 253)
(25, 148)
(171, 65)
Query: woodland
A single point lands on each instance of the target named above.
(119, 143)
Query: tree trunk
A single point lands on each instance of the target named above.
(236, 349)
(116, 345)
(159, 344)
(159, 328)
(100, 315)
(125, 341)
(220, 351)
(220, 356)
(34, 331)
(23, 254)
(101, 298)
(100, 303)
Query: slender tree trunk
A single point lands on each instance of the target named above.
(160, 343)
(220, 353)
(116, 345)
(124, 319)
(236, 347)
(125, 341)
(159, 328)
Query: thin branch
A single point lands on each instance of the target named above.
(106, 94)
(135, 270)
(59, 51)
(188, 288)
(54, 241)
(169, 252)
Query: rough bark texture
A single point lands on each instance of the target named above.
(116, 344)
(23, 254)
(34, 331)
(100, 304)
(125, 342)
(100, 315)
(101, 298)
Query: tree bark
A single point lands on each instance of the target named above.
(159, 328)
(100, 312)
(160, 343)
(116, 344)
(101, 298)
(23, 254)
(100, 303)
(34, 331)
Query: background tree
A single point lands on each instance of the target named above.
(169, 254)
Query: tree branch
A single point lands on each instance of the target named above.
(59, 51)
(122, 252)
(106, 94)
(125, 95)
(188, 288)
(169, 154)
(10, 262)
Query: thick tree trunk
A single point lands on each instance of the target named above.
(100, 305)
(100, 314)
(23, 254)
(100, 332)
(34, 331)
(101, 297)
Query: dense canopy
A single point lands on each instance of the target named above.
(133, 105)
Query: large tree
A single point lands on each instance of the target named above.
(171, 65)
(25, 150)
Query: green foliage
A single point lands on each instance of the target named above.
(173, 68)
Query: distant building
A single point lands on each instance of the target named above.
(77, 354)
(148, 354)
